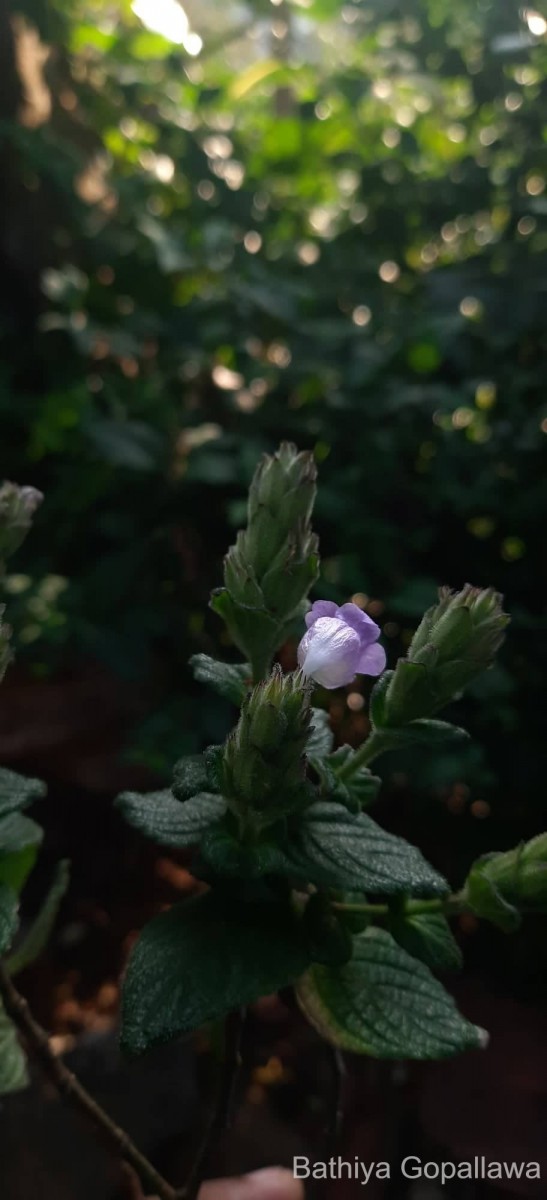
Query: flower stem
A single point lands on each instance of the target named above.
(449, 905)
(70, 1088)
(375, 744)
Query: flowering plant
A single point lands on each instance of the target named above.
(298, 885)
(302, 887)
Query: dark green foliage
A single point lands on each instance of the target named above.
(170, 822)
(427, 936)
(340, 850)
(201, 959)
(385, 1003)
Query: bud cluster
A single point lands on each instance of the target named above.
(274, 562)
(457, 639)
(263, 774)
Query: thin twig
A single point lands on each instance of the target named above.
(71, 1090)
(220, 1118)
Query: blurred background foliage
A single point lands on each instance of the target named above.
(246, 221)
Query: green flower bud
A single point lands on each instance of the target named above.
(457, 639)
(274, 562)
(17, 507)
(501, 886)
(263, 774)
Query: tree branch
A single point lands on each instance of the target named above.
(71, 1090)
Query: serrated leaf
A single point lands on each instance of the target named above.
(385, 1003)
(8, 916)
(171, 822)
(427, 936)
(337, 849)
(39, 933)
(190, 776)
(321, 739)
(13, 1065)
(19, 841)
(203, 958)
(16, 791)
(230, 680)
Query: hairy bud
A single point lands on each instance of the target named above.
(263, 767)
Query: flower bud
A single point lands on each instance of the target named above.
(518, 878)
(263, 768)
(17, 507)
(274, 562)
(457, 639)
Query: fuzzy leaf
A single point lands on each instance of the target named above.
(39, 933)
(487, 902)
(203, 958)
(337, 849)
(356, 792)
(8, 916)
(190, 776)
(385, 1003)
(19, 841)
(16, 791)
(230, 680)
(427, 936)
(321, 739)
(171, 822)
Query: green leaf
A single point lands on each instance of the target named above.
(334, 848)
(385, 1003)
(486, 901)
(254, 631)
(8, 916)
(424, 732)
(13, 1065)
(427, 936)
(226, 855)
(190, 776)
(356, 792)
(39, 933)
(171, 822)
(230, 680)
(19, 841)
(321, 739)
(16, 791)
(203, 958)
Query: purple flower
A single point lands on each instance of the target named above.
(340, 643)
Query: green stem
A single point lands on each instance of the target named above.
(375, 744)
(449, 905)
